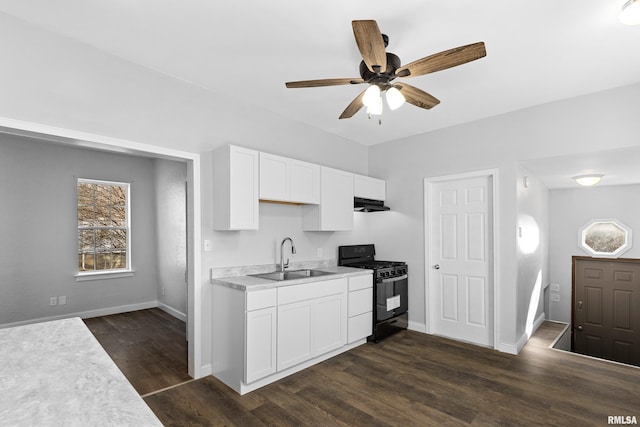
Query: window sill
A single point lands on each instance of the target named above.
(83, 277)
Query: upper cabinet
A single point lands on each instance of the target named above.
(335, 211)
(369, 188)
(288, 180)
(242, 177)
(235, 188)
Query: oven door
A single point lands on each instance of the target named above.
(391, 297)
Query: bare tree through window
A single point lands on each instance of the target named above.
(103, 225)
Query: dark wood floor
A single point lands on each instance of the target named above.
(412, 379)
(149, 347)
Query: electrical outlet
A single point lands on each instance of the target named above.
(319, 252)
(208, 246)
(555, 287)
(53, 301)
(62, 300)
(555, 298)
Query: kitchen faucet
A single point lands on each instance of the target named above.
(283, 264)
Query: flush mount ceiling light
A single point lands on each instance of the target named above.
(630, 14)
(588, 180)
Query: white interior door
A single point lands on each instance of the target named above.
(460, 259)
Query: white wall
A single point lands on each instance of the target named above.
(569, 210)
(584, 124)
(52, 80)
(532, 251)
(170, 179)
(38, 220)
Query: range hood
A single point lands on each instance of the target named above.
(368, 205)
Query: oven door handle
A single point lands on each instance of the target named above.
(393, 279)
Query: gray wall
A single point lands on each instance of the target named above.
(170, 179)
(38, 254)
(571, 209)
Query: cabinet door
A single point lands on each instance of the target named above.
(304, 182)
(260, 344)
(235, 188)
(273, 177)
(294, 334)
(360, 327)
(243, 189)
(369, 188)
(336, 199)
(329, 323)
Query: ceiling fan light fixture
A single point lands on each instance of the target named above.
(372, 97)
(395, 99)
(376, 108)
(588, 180)
(630, 13)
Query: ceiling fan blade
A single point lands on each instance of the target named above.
(323, 82)
(371, 45)
(417, 97)
(354, 107)
(443, 60)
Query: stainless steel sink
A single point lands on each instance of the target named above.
(291, 275)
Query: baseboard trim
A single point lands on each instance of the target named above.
(88, 314)
(418, 327)
(515, 349)
(172, 311)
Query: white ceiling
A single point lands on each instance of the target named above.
(537, 51)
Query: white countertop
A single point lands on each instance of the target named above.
(252, 283)
(57, 374)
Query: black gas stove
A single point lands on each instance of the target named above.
(390, 290)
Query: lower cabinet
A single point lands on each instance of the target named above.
(264, 335)
(314, 326)
(360, 323)
(260, 344)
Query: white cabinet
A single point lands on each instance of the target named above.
(260, 334)
(311, 320)
(360, 311)
(288, 180)
(335, 211)
(260, 344)
(235, 188)
(367, 187)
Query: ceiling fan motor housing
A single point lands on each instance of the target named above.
(393, 63)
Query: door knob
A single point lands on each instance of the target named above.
(579, 327)
(579, 305)
(436, 267)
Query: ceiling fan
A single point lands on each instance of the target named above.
(380, 68)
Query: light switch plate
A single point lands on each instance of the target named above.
(555, 287)
(555, 298)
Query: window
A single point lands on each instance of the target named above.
(103, 227)
(607, 238)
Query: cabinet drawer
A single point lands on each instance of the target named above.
(360, 282)
(360, 301)
(305, 291)
(261, 299)
(359, 327)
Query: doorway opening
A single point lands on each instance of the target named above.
(113, 145)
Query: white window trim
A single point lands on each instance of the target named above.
(101, 275)
(82, 276)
